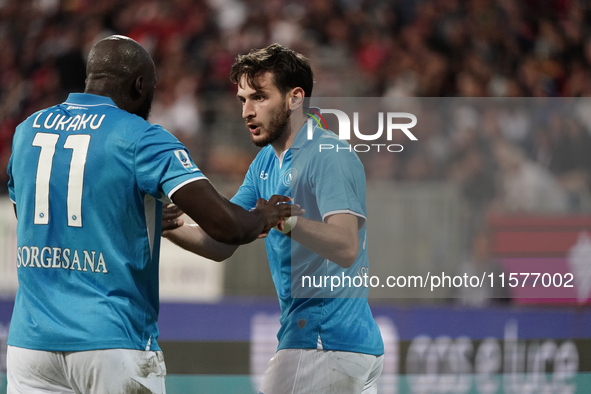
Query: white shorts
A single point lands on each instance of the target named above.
(109, 371)
(314, 371)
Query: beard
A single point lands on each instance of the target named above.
(144, 110)
(278, 127)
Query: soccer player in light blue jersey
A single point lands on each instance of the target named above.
(88, 178)
(328, 341)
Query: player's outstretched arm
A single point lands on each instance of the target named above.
(192, 238)
(336, 240)
(227, 222)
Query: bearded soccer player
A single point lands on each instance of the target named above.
(86, 177)
(327, 343)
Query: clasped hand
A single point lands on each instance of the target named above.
(276, 210)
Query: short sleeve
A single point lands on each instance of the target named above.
(338, 181)
(163, 164)
(246, 196)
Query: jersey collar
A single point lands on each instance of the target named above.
(87, 99)
(302, 135)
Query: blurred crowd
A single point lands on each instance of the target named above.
(358, 48)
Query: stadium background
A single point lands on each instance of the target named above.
(459, 199)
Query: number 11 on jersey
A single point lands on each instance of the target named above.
(79, 145)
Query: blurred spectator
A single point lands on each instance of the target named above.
(176, 110)
(514, 124)
(478, 263)
(525, 186)
(472, 169)
(571, 162)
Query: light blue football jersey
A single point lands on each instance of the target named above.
(87, 179)
(323, 183)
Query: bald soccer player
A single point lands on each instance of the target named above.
(88, 178)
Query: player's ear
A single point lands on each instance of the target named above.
(297, 98)
(136, 88)
(139, 85)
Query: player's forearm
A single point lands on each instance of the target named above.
(328, 240)
(240, 226)
(194, 239)
(220, 219)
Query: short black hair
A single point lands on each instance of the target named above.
(289, 68)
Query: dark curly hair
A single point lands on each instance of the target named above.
(289, 68)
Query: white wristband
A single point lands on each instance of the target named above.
(290, 224)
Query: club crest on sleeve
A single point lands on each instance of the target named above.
(183, 158)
